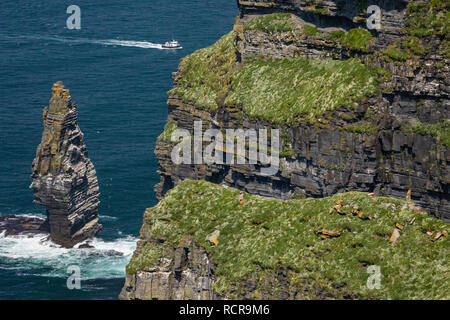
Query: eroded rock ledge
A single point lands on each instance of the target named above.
(63, 177)
(184, 272)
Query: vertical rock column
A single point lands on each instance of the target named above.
(63, 177)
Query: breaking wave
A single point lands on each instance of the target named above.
(39, 256)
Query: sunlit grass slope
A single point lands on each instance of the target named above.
(277, 90)
(262, 235)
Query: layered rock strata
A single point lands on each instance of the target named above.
(186, 272)
(387, 143)
(63, 177)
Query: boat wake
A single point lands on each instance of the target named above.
(80, 41)
(125, 43)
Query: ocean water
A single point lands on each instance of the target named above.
(118, 77)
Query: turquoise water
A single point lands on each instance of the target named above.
(118, 77)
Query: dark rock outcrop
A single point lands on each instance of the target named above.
(64, 178)
(12, 225)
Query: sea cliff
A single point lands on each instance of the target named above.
(360, 110)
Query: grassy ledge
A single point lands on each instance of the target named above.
(262, 235)
(279, 90)
(425, 23)
(430, 18)
(440, 131)
(355, 39)
(147, 257)
(169, 128)
(205, 74)
(276, 22)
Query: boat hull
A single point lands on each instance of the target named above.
(167, 47)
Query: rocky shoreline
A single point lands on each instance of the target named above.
(12, 225)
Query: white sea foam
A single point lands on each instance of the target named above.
(127, 43)
(34, 215)
(27, 214)
(106, 218)
(76, 41)
(37, 255)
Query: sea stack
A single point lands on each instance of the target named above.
(64, 179)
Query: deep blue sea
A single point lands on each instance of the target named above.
(118, 77)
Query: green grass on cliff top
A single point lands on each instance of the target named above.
(275, 22)
(277, 90)
(264, 235)
(281, 89)
(205, 74)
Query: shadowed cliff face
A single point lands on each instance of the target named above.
(63, 178)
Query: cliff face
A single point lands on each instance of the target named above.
(181, 272)
(358, 110)
(63, 177)
(392, 139)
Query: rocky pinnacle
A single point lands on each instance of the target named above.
(63, 177)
